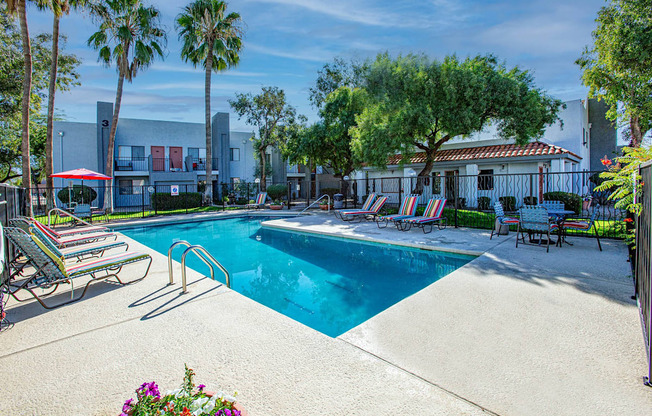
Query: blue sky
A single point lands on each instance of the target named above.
(287, 41)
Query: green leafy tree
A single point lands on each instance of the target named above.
(274, 118)
(130, 36)
(334, 75)
(418, 104)
(617, 67)
(213, 39)
(328, 142)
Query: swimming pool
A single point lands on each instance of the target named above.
(330, 284)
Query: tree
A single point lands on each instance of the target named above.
(328, 142)
(272, 116)
(418, 104)
(332, 76)
(212, 39)
(11, 80)
(617, 67)
(129, 35)
(58, 8)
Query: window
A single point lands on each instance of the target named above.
(486, 180)
(138, 152)
(436, 184)
(131, 187)
(197, 153)
(124, 152)
(235, 154)
(125, 186)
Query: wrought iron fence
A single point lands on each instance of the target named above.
(12, 204)
(642, 263)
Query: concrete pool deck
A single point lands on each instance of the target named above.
(514, 332)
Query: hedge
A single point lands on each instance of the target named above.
(277, 191)
(509, 203)
(530, 200)
(88, 196)
(572, 202)
(483, 203)
(165, 201)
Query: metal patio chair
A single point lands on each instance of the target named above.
(502, 218)
(535, 220)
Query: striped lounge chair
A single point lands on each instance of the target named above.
(371, 213)
(584, 225)
(431, 215)
(71, 231)
(365, 207)
(407, 210)
(51, 270)
(64, 241)
(502, 218)
(535, 220)
(260, 201)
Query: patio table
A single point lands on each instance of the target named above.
(560, 217)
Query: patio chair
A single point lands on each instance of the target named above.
(82, 211)
(64, 241)
(68, 232)
(585, 225)
(260, 201)
(407, 209)
(553, 205)
(502, 219)
(431, 215)
(365, 207)
(371, 213)
(51, 271)
(535, 220)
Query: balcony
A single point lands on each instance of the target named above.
(131, 164)
(156, 164)
(200, 164)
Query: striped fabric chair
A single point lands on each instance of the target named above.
(407, 209)
(64, 241)
(584, 225)
(81, 251)
(502, 219)
(371, 213)
(69, 232)
(260, 201)
(365, 207)
(51, 270)
(553, 205)
(431, 215)
(535, 220)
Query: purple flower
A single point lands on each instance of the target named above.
(201, 387)
(227, 412)
(236, 412)
(149, 389)
(127, 406)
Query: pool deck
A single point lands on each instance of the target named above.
(514, 332)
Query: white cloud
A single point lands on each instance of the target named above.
(313, 54)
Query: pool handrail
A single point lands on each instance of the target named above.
(319, 199)
(200, 251)
(66, 214)
(176, 243)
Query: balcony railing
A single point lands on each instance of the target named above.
(200, 164)
(131, 164)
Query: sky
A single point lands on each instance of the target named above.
(286, 42)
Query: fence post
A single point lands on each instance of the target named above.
(400, 191)
(142, 198)
(185, 198)
(456, 187)
(155, 204)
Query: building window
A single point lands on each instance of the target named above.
(131, 186)
(138, 153)
(436, 184)
(197, 153)
(486, 180)
(235, 154)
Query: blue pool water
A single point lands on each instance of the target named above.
(329, 284)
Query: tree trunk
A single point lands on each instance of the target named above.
(425, 173)
(108, 195)
(263, 166)
(27, 89)
(209, 133)
(635, 131)
(49, 137)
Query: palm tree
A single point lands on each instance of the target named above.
(129, 35)
(213, 39)
(18, 7)
(58, 8)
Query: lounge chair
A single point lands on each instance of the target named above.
(502, 218)
(68, 232)
(365, 207)
(431, 215)
(51, 271)
(407, 209)
(584, 225)
(260, 201)
(65, 241)
(371, 213)
(535, 220)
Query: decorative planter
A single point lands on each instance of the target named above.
(586, 205)
(276, 207)
(236, 405)
(324, 207)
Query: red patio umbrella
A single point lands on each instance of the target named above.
(81, 174)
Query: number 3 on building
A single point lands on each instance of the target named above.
(105, 123)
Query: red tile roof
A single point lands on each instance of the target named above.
(487, 152)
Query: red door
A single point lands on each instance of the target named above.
(176, 158)
(158, 158)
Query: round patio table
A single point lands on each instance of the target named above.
(560, 216)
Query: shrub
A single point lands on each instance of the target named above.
(165, 201)
(509, 203)
(484, 202)
(530, 200)
(572, 202)
(329, 191)
(277, 191)
(461, 203)
(77, 194)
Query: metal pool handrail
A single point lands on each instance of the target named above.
(319, 199)
(176, 243)
(203, 255)
(67, 214)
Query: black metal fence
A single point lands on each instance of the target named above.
(643, 266)
(12, 204)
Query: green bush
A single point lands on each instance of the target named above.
(509, 203)
(165, 201)
(530, 200)
(329, 191)
(277, 191)
(483, 203)
(461, 203)
(77, 194)
(572, 202)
